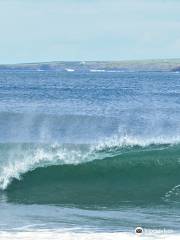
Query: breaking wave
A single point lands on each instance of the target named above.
(115, 171)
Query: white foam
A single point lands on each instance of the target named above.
(124, 141)
(21, 161)
(69, 70)
(97, 70)
(115, 71)
(54, 235)
(108, 71)
(173, 195)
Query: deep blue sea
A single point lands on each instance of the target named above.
(89, 154)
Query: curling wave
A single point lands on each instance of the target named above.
(110, 173)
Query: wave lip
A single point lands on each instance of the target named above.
(131, 141)
(22, 158)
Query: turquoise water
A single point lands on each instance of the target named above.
(89, 151)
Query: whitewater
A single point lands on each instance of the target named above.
(89, 154)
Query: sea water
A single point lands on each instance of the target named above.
(89, 154)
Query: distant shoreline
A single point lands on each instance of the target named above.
(98, 66)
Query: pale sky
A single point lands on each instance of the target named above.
(52, 30)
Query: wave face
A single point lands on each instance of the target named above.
(106, 174)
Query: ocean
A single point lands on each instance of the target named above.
(89, 154)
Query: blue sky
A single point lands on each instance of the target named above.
(50, 30)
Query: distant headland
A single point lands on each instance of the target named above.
(134, 65)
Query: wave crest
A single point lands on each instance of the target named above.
(79, 174)
(18, 159)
